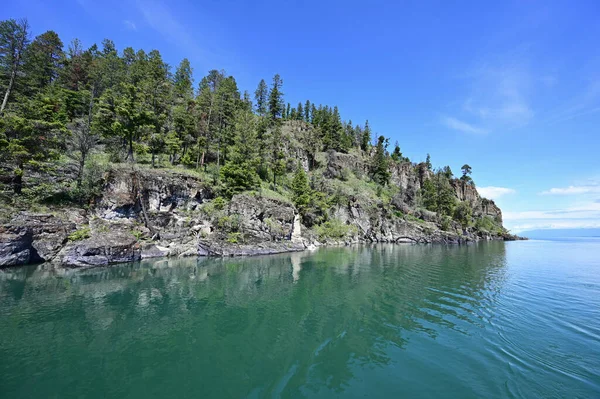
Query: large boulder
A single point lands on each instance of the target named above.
(100, 250)
(15, 248)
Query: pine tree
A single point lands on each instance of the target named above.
(397, 154)
(301, 190)
(43, 60)
(379, 169)
(307, 109)
(365, 142)
(276, 99)
(31, 136)
(183, 80)
(261, 97)
(299, 112)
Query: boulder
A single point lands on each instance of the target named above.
(16, 249)
(211, 248)
(100, 250)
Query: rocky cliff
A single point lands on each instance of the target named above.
(144, 212)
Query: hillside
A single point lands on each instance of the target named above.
(110, 156)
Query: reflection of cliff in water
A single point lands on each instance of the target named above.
(349, 305)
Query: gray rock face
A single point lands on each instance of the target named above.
(125, 189)
(15, 249)
(338, 163)
(101, 250)
(481, 206)
(263, 219)
(208, 248)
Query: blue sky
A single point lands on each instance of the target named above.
(511, 88)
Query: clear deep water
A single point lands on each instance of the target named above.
(493, 320)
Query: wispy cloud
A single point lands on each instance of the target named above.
(586, 103)
(573, 190)
(581, 216)
(498, 94)
(462, 126)
(160, 18)
(130, 25)
(494, 192)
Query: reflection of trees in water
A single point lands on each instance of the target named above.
(290, 323)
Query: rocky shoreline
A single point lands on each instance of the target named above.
(152, 213)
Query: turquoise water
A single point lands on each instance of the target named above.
(494, 320)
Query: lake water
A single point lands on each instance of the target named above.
(493, 320)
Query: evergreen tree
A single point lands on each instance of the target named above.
(261, 98)
(301, 190)
(276, 99)
(307, 109)
(379, 169)
(31, 136)
(397, 154)
(299, 112)
(183, 80)
(428, 162)
(240, 172)
(466, 171)
(366, 137)
(43, 60)
(124, 116)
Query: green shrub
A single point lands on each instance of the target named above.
(137, 234)
(446, 223)
(80, 234)
(234, 238)
(334, 229)
(219, 203)
(229, 223)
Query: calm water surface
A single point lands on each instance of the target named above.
(493, 320)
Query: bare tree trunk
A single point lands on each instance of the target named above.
(198, 161)
(80, 171)
(18, 179)
(15, 66)
(130, 151)
(8, 89)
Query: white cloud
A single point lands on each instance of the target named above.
(461, 126)
(494, 192)
(573, 190)
(581, 216)
(130, 25)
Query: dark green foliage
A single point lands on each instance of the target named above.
(238, 178)
(438, 195)
(463, 214)
(379, 170)
(276, 99)
(43, 60)
(261, 98)
(365, 139)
